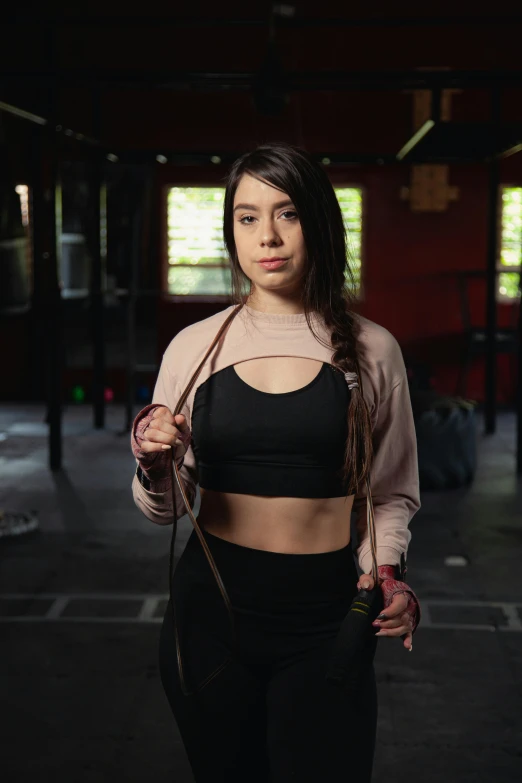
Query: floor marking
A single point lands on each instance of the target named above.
(426, 620)
(57, 608)
(150, 603)
(513, 617)
(148, 608)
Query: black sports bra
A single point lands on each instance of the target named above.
(257, 443)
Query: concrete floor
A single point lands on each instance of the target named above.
(81, 602)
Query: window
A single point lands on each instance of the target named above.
(350, 200)
(510, 243)
(23, 192)
(197, 261)
(196, 254)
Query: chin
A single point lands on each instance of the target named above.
(287, 281)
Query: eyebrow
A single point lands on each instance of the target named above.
(253, 208)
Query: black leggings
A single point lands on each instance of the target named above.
(269, 715)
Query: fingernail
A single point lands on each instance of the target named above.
(381, 617)
(165, 447)
(411, 648)
(376, 623)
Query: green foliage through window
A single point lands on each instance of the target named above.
(197, 260)
(350, 200)
(196, 253)
(511, 242)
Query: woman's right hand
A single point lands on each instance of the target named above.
(166, 431)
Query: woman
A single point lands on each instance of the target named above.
(300, 401)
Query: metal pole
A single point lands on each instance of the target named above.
(38, 296)
(56, 355)
(519, 383)
(98, 246)
(132, 300)
(47, 205)
(98, 197)
(139, 209)
(490, 389)
(490, 380)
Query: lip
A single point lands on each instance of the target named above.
(272, 263)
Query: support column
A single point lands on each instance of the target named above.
(132, 303)
(490, 388)
(47, 229)
(518, 406)
(98, 245)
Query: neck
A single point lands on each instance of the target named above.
(271, 303)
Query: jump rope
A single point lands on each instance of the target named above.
(354, 646)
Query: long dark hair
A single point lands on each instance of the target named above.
(328, 284)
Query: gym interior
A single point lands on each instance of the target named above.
(117, 127)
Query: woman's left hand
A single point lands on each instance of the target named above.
(401, 610)
(398, 622)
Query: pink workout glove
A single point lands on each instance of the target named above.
(155, 465)
(391, 586)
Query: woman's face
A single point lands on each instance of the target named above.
(266, 225)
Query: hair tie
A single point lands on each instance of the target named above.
(352, 380)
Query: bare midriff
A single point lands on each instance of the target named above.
(277, 524)
(288, 525)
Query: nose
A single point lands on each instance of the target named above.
(269, 235)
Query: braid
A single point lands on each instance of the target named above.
(344, 336)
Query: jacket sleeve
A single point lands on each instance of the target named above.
(156, 504)
(394, 477)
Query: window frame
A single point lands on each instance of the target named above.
(166, 295)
